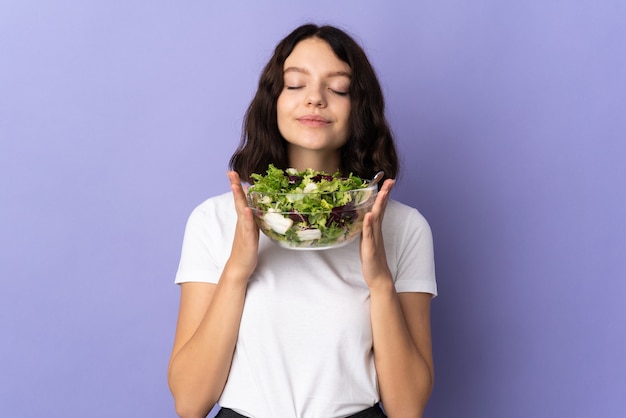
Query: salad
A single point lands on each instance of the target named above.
(309, 209)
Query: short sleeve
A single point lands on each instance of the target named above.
(415, 263)
(197, 260)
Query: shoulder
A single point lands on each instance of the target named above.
(403, 216)
(405, 229)
(409, 247)
(209, 226)
(218, 202)
(221, 206)
(215, 216)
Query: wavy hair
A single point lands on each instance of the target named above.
(370, 146)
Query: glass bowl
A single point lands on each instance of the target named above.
(322, 220)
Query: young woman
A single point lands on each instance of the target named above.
(269, 332)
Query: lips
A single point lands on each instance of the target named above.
(313, 120)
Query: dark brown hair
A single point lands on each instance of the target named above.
(370, 146)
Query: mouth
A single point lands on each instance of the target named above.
(313, 120)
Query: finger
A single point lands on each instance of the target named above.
(235, 181)
(366, 243)
(241, 203)
(382, 198)
(371, 246)
(245, 219)
(367, 231)
(235, 184)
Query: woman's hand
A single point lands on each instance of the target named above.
(209, 317)
(244, 253)
(373, 259)
(400, 324)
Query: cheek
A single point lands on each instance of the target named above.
(346, 125)
(283, 105)
(346, 115)
(281, 114)
(344, 132)
(280, 107)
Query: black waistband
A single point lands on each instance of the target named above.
(372, 412)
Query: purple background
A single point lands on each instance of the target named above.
(118, 117)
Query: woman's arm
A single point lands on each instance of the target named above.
(208, 321)
(400, 325)
(402, 350)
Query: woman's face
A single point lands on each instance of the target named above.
(314, 107)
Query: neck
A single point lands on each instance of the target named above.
(301, 159)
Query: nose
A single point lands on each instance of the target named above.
(315, 97)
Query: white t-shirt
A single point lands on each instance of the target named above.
(304, 347)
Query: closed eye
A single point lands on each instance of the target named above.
(339, 93)
(293, 87)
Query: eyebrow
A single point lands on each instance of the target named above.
(305, 71)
